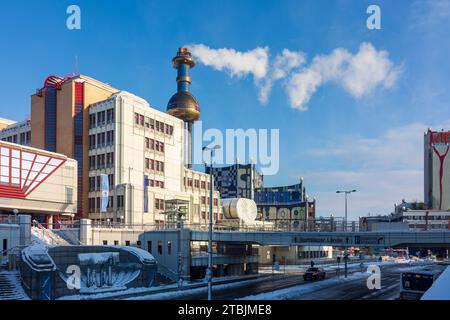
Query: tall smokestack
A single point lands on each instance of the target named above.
(183, 105)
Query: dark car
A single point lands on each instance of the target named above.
(314, 274)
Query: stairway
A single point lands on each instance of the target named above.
(10, 287)
(43, 235)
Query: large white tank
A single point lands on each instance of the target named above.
(240, 208)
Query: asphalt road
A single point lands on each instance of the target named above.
(350, 290)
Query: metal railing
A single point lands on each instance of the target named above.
(224, 225)
(47, 234)
(9, 219)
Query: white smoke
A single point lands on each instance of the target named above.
(236, 63)
(280, 69)
(359, 74)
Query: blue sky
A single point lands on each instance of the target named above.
(371, 142)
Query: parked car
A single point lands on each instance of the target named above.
(314, 274)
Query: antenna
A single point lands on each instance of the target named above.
(76, 65)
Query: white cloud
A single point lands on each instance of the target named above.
(358, 74)
(427, 14)
(236, 63)
(384, 170)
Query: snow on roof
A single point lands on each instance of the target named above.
(143, 256)
(98, 258)
(37, 257)
(440, 288)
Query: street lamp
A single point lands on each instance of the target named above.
(210, 233)
(346, 192)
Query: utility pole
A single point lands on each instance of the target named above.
(346, 192)
(209, 272)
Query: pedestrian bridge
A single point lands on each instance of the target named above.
(339, 239)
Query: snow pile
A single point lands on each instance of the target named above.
(440, 290)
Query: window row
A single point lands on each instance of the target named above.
(101, 139)
(205, 216)
(155, 165)
(101, 118)
(160, 247)
(95, 183)
(95, 203)
(156, 183)
(23, 138)
(154, 145)
(205, 200)
(188, 182)
(101, 161)
(152, 124)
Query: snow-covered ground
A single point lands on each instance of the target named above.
(440, 290)
(186, 285)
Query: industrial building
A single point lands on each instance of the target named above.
(237, 181)
(134, 162)
(285, 206)
(437, 170)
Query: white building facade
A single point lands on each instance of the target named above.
(141, 151)
(16, 132)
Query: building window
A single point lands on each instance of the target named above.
(91, 184)
(138, 244)
(203, 185)
(110, 138)
(110, 116)
(105, 242)
(141, 120)
(136, 118)
(169, 248)
(120, 202)
(127, 243)
(116, 243)
(92, 144)
(197, 183)
(92, 121)
(216, 202)
(160, 247)
(159, 204)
